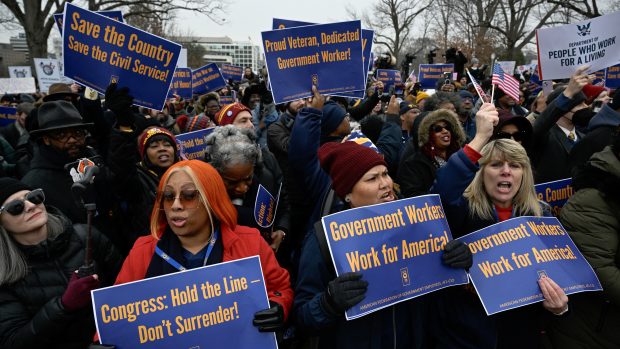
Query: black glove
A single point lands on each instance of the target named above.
(344, 292)
(119, 101)
(269, 320)
(457, 255)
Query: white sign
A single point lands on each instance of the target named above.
(594, 42)
(48, 72)
(507, 66)
(20, 71)
(182, 63)
(17, 85)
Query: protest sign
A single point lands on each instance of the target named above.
(181, 84)
(228, 99)
(511, 256)
(206, 79)
(266, 206)
(7, 115)
(98, 50)
(206, 307)
(592, 42)
(555, 193)
(389, 77)
(397, 246)
(115, 15)
(19, 71)
(279, 23)
(192, 145)
(48, 72)
(17, 85)
(507, 66)
(182, 62)
(231, 72)
(612, 77)
(328, 56)
(429, 74)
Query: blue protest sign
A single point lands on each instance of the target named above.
(192, 145)
(612, 76)
(98, 50)
(231, 72)
(555, 193)
(511, 256)
(429, 74)
(200, 308)
(265, 206)
(181, 83)
(397, 246)
(206, 79)
(7, 115)
(279, 23)
(327, 55)
(115, 15)
(389, 77)
(224, 100)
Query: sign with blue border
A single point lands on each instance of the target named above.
(430, 74)
(206, 79)
(231, 72)
(193, 145)
(115, 15)
(612, 76)
(181, 83)
(555, 193)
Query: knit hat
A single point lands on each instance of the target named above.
(10, 186)
(333, 114)
(153, 134)
(228, 114)
(346, 163)
(421, 96)
(465, 94)
(198, 122)
(591, 92)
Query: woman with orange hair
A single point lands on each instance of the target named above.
(193, 224)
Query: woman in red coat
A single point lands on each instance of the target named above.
(193, 223)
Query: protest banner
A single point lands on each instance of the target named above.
(555, 193)
(510, 257)
(181, 84)
(429, 74)
(19, 71)
(17, 85)
(592, 42)
(266, 206)
(612, 77)
(48, 72)
(7, 115)
(397, 246)
(192, 145)
(228, 99)
(182, 62)
(98, 50)
(231, 72)
(507, 66)
(206, 79)
(205, 307)
(115, 15)
(328, 56)
(389, 77)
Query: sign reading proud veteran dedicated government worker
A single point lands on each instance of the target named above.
(397, 246)
(208, 307)
(511, 256)
(98, 50)
(328, 56)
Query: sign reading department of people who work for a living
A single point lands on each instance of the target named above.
(429, 74)
(594, 42)
(555, 193)
(115, 15)
(511, 256)
(389, 77)
(206, 79)
(266, 206)
(207, 307)
(231, 72)
(98, 51)
(192, 145)
(328, 56)
(397, 246)
(181, 84)
(612, 77)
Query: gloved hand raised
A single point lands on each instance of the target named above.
(269, 320)
(344, 292)
(77, 294)
(119, 101)
(457, 255)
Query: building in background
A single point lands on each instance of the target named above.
(19, 44)
(224, 50)
(9, 57)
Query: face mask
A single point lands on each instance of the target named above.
(582, 117)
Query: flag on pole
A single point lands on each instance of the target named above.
(478, 87)
(412, 77)
(505, 82)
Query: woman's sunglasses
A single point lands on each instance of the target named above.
(16, 207)
(190, 199)
(439, 128)
(517, 136)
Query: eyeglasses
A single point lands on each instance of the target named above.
(64, 135)
(16, 207)
(190, 199)
(439, 128)
(517, 136)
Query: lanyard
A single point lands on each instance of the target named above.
(178, 265)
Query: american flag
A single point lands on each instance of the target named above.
(478, 87)
(505, 82)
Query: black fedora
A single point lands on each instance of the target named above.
(56, 115)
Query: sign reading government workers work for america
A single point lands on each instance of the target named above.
(594, 42)
(397, 246)
(98, 50)
(326, 55)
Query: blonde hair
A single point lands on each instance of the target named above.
(525, 202)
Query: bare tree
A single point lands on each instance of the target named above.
(585, 8)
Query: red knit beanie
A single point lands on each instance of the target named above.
(228, 114)
(153, 133)
(591, 92)
(346, 163)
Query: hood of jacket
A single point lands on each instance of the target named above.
(449, 117)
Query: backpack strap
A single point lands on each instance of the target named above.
(320, 233)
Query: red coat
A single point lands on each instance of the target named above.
(240, 243)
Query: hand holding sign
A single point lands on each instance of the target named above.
(277, 236)
(457, 255)
(556, 300)
(344, 292)
(577, 81)
(269, 320)
(119, 101)
(317, 100)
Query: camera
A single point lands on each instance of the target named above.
(431, 55)
(386, 61)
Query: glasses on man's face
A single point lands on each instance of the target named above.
(517, 136)
(64, 135)
(439, 128)
(16, 207)
(189, 198)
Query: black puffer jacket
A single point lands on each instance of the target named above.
(31, 314)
